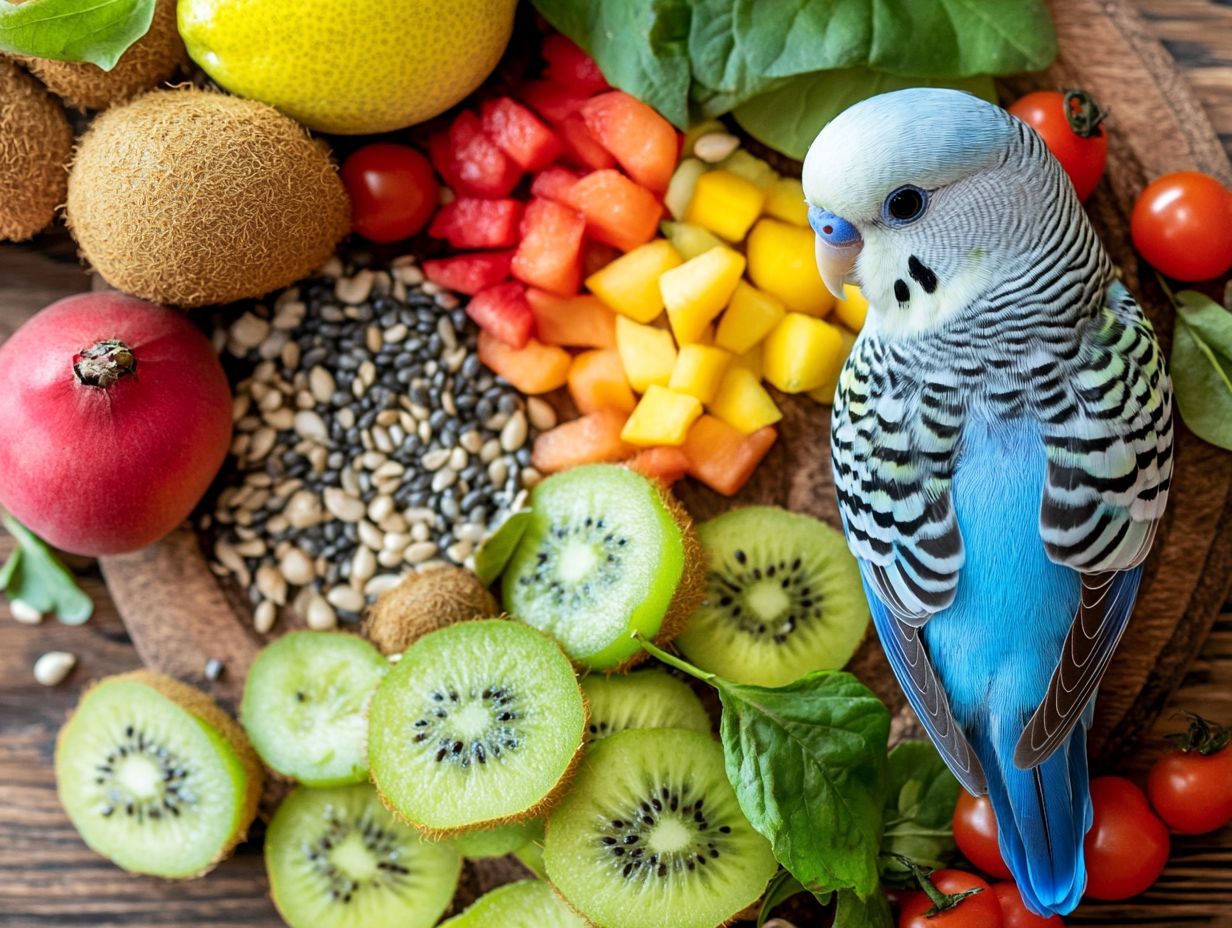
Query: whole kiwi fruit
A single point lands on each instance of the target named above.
(192, 198)
(424, 602)
(36, 144)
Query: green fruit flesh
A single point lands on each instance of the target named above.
(600, 559)
(645, 699)
(498, 841)
(529, 904)
(476, 725)
(148, 784)
(650, 834)
(783, 598)
(337, 858)
(304, 703)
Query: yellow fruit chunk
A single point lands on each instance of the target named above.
(661, 417)
(801, 353)
(646, 353)
(782, 261)
(630, 284)
(743, 403)
(698, 371)
(852, 309)
(750, 361)
(825, 392)
(726, 204)
(696, 291)
(786, 201)
(750, 167)
(749, 317)
(688, 240)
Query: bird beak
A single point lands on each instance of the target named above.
(838, 246)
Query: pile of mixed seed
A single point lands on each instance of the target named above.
(369, 440)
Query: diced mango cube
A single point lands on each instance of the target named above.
(646, 352)
(786, 201)
(682, 186)
(801, 353)
(688, 240)
(750, 361)
(726, 204)
(749, 317)
(630, 284)
(783, 262)
(825, 392)
(852, 309)
(696, 291)
(743, 403)
(699, 370)
(661, 417)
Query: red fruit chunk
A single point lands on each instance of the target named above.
(551, 101)
(470, 222)
(618, 211)
(596, 257)
(643, 141)
(554, 184)
(550, 253)
(478, 166)
(722, 457)
(571, 67)
(519, 133)
(503, 311)
(665, 464)
(469, 273)
(441, 155)
(533, 368)
(592, 439)
(577, 321)
(581, 146)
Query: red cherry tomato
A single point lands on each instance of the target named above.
(1127, 846)
(1079, 143)
(975, 833)
(392, 189)
(1182, 225)
(981, 910)
(1015, 914)
(1191, 791)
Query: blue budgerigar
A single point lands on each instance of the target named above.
(1002, 447)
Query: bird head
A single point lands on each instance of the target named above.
(924, 197)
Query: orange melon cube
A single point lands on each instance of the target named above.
(592, 439)
(597, 381)
(575, 321)
(536, 368)
(722, 457)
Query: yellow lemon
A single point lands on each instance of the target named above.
(349, 66)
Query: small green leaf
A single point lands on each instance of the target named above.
(494, 554)
(781, 888)
(919, 811)
(870, 912)
(35, 576)
(97, 31)
(1201, 366)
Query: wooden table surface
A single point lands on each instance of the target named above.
(48, 877)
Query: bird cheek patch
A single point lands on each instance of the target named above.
(902, 293)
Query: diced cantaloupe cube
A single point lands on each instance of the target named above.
(535, 368)
(647, 353)
(630, 284)
(696, 291)
(592, 439)
(597, 381)
(801, 353)
(699, 370)
(743, 403)
(663, 463)
(825, 392)
(750, 361)
(783, 262)
(786, 201)
(680, 190)
(689, 240)
(662, 417)
(726, 204)
(852, 309)
(749, 317)
(582, 321)
(722, 457)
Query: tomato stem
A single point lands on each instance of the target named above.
(1203, 736)
(103, 363)
(1083, 114)
(941, 902)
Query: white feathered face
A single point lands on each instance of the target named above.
(916, 196)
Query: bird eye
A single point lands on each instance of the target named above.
(906, 204)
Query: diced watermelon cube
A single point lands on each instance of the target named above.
(571, 67)
(503, 311)
(440, 153)
(550, 253)
(581, 146)
(551, 101)
(469, 273)
(554, 183)
(617, 211)
(642, 141)
(472, 222)
(477, 163)
(520, 134)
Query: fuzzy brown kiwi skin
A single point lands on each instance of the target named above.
(198, 704)
(424, 602)
(36, 145)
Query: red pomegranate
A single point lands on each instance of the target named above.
(115, 416)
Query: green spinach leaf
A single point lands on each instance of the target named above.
(35, 576)
(781, 888)
(919, 811)
(97, 31)
(1201, 366)
(870, 912)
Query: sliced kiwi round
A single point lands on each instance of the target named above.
(337, 858)
(651, 834)
(606, 553)
(477, 725)
(642, 699)
(304, 702)
(425, 601)
(783, 598)
(528, 904)
(498, 841)
(155, 776)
